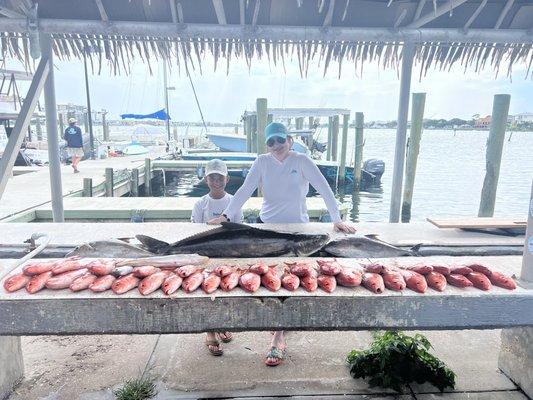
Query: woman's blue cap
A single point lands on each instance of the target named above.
(275, 129)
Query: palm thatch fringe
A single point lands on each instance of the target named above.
(119, 52)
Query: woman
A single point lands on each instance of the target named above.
(285, 177)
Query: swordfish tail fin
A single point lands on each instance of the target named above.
(151, 244)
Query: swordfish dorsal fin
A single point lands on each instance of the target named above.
(153, 245)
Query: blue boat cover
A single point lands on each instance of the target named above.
(161, 114)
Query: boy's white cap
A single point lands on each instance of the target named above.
(216, 166)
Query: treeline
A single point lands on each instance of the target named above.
(454, 123)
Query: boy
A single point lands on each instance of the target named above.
(213, 204)
(208, 207)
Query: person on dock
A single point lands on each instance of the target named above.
(74, 141)
(206, 208)
(285, 176)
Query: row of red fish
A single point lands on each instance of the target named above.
(101, 275)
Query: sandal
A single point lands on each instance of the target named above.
(225, 337)
(275, 353)
(214, 347)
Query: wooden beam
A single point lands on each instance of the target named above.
(443, 9)
(173, 12)
(7, 12)
(329, 15)
(419, 8)
(181, 20)
(503, 14)
(219, 10)
(476, 13)
(242, 12)
(168, 31)
(400, 18)
(101, 9)
(23, 120)
(256, 12)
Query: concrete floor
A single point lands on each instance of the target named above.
(90, 367)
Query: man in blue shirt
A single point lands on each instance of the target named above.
(74, 141)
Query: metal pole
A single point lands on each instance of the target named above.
(527, 261)
(401, 131)
(89, 113)
(500, 111)
(358, 154)
(167, 121)
(417, 116)
(50, 107)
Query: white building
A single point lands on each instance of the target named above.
(523, 117)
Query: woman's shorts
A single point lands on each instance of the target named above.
(75, 152)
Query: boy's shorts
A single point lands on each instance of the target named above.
(75, 151)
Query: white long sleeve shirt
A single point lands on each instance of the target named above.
(285, 186)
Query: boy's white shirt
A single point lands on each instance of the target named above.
(207, 208)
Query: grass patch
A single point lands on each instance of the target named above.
(136, 389)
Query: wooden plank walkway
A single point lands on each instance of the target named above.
(154, 208)
(30, 190)
(479, 223)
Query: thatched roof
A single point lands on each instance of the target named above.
(476, 34)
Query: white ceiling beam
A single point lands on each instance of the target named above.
(419, 9)
(181, 20)
(443, 9)
(256, 12)
(101, 9)
(400, 18)
(7, 12)
(219, 10)
(329, 15)
(173, 12)
(476, 13)
(168, 31)
(503, 14)
(241, 12)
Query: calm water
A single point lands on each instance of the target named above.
(449, 178)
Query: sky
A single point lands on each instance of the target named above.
(223, 97)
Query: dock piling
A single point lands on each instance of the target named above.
(342, 166)
(500, 111)
(147, 177)
(248, 133)
(330, 135)
(270, 119)
(261, 108)
(358, 153)
(135, 182)
(175, 132)
(61, 125)
(87, 187)
(417, 116)
(105, 128)
(109, 182)
(299, 123)
(38, 129)
(335, 138)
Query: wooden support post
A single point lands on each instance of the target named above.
(61, 126)
(109, 184)
(39, 129)
(335, 138)
(417, 116)
(527, 262)
(147, 177)
(408, 54)
(135, 182)
(253, 133)
(342, 166)
(236, 130)
(330, 135)
(261, 108)
(358, 153)
(309, 139)
(270, 119)
(175, 132)
(299, 123)
(248, 132)
(500, 111)
(87, 187)
(105, 128)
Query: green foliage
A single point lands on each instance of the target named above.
(136, 389)
(395, 359)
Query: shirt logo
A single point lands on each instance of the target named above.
(71, 131)
(294, 171)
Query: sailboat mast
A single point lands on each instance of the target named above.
(167, 121)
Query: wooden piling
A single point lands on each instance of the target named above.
(61, 126)
(526, 273)
(236, 130)
(335, 138)
(417, 116)
(330, 135)
(253, 133)
(135, 182)
(342, 166)
(299, 123)
(105, 128)
(147, 177)
(38, 129)
(358, 153)
(109, 182)
(175, 132)
(87, 187)
(261, 108)
(270, 119)
(500, 111)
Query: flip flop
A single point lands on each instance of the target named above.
(215, 352)
(225, 337)
(275, 353)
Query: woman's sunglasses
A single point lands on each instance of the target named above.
(272, 140)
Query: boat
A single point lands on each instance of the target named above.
(237, 143)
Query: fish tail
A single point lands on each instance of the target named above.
(153, 245)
